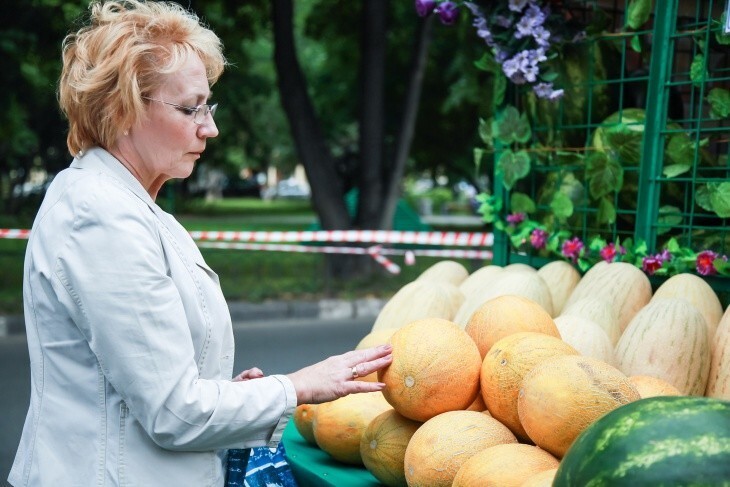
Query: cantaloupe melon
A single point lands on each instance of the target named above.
(445, 271)
(694, 289)
(561, 278)
(563, 395)
(383, 447)
(625, 287)
(586, 336)
(303, 418)
(718, 384)
(444, 443)
(667, 339)
(435, 368)
(542, 479)
(504, 367)
(504, 315)
(649, 386)
(506, 465)
(599, 311)
(338, 425)
(417, 300)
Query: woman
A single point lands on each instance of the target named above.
(129, 335)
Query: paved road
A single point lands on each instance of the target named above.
(275, 347)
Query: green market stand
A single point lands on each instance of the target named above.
(314, 468)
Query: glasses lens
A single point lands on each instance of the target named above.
(203, 112)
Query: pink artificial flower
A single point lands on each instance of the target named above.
(664, 256)
(538, 238)
(515, 218)
(610, 252)
(706, 262)
(572, 248)
(652, 263)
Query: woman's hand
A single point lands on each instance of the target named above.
(254, 373)
(335, 376)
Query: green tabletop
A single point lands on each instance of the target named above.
(314, 468)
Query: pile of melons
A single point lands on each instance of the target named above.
(496, 373)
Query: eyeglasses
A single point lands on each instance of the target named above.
(199, 113)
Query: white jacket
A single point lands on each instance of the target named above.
(131, 346)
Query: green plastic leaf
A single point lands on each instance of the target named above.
(636, 43)
(720, 35)
(499, 88)
(669, 217)
(478, 155)
(606, 212)
(719, 100)
(522, 203)
(715, 197)
(509, 126)
(638, 13)
(512, 166)
(489, 207)
(624, 142)
(674, 170)
(698, 71)
(604, 175)
(485, 132)
(561, 206)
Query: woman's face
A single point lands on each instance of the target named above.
(167, 142)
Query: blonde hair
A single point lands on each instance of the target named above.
(122, 55)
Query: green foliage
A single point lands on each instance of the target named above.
(638, 13)
(715, 197)
(719, 100)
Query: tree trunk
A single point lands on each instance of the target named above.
(319, 164)
(408, 121)
(372, 112)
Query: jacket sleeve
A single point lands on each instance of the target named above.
(111, 274)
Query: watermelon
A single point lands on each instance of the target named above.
(657, 441)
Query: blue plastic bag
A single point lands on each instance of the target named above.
(264, 467)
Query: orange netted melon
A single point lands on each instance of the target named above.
(504, 367)
(383, 447)
(478, 404)
(542, 479)
(435, 368)
(507, 465)
(505, 315)
(303, 421)
(563, 395)
(445, 442)
(423, 298)
(649, 386)
(338, 425)
(373, 339)
(561, 278)
(445, 271)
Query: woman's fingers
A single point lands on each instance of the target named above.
(254, 373)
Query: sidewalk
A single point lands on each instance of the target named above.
(242, 311)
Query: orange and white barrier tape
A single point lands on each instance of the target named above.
(247, 241)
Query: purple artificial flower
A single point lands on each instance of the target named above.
(541, 36)
(664, 256)
(425, 7)
(515, 218)
(652, 263)
(706, 262)
(447, 12)
(538, 238)
(610, 252)
(572, 248)
(474, 9)
(517, 5)
(545, 90)
(503, 21)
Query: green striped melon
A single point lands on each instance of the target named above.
(677, 440)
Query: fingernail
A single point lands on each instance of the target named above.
(386, 348)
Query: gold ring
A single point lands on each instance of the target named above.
(355, 374)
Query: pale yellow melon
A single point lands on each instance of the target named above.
(445, 271)
(649, 386)
(667, 339)
(599, 311)
(418, 300)
(586, 336)
(480, 280)
(542, 479)
(694, 289)
(561, 278)
(718, 384)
